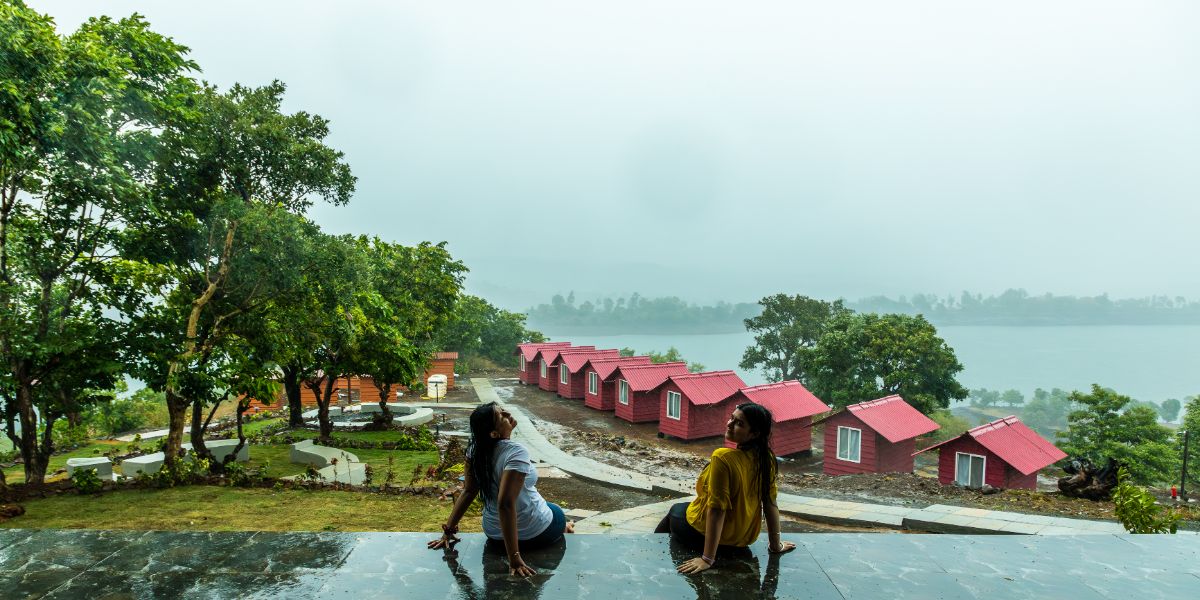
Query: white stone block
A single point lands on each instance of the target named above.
(102, 465)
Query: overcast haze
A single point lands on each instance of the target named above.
(714, 151)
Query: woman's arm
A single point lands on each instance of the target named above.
(774, 545)
(461, 504)
(511, 483)
(714, 524)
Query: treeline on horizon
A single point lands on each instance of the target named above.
(1013, 307)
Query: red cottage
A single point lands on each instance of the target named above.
(637, 389)
(792, 406)
(874, 437)
(600, 391)
(527, 369)
(696, 405)
(572, 379)
(548, 375)
(1003, 454)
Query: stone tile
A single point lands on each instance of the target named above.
(974, 512)
(12, 536)
(283, 552)
(978, 555)
(34, 583)
(872, 518)
(941, 508)
(1164, 586)
(989, 524)
(1022, 528)
(164, 551)
(1034, 586)
(70, 548)
(909, 584)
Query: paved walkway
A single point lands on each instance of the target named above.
(194, 565)
(938, 518)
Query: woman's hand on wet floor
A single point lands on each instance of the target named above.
(695, 565)
(784, 547)
(447, 540)
(517, 567)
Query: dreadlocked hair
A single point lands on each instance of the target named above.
(482, 450)
(759, 420)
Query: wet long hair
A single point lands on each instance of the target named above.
(482, 450)
(759, 419)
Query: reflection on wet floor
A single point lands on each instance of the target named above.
(90, 564)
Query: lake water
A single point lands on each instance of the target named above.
(1145, 362)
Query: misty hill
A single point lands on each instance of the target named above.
(1014, 307)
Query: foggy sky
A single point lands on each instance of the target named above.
(715, 151)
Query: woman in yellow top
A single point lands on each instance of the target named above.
(733, 493)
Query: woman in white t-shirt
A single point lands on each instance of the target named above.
(513, 510)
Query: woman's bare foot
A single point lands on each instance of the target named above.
(570, 528)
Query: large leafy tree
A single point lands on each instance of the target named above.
(1191, 424)
(1108, 426)
(864, 356)
(479, 329)
(230, 175)
(80, 116)
(787, 328)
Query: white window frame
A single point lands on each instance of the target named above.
(839, 444)
(593, 383)
(623, 391)
(522, 362)
(545, 373)
(982, 476)
(674, 400)
(564, 375)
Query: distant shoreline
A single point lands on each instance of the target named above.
(701, 329)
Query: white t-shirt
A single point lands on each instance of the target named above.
(533, 515)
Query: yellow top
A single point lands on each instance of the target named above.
(729, 483)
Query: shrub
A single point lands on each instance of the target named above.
(949, 426)
(1138, 511)
(87, 481)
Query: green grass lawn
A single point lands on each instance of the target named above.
(364, 436)
(16, 473)
(213, 508)
(249, 429)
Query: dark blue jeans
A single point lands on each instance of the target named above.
(552, 533)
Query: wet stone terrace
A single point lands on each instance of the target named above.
(136, 564)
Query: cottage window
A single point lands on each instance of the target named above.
(544, 369)
(593, 383)
(564, 375)
(521, 362)
(849, 444)
(674, 403)
(623, 392)
(968, 469)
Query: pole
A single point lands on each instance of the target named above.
(1183, 476)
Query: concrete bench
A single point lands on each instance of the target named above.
(102, 465)
(396, 409)
(308, 452)
(148, 464)
(222, 448)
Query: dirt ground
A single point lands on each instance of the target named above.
(601, 436)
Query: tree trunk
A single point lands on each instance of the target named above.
(385, 392)
(197, 437)
(177, 414)
(241, 410)
(323, 411)
(35, 468)
(291, 386)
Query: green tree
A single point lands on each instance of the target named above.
(1191, 423)
(1169, 409)
(477, 329)
(1047, 412)
(672, 355)
(984, 397)
(864, 356)
(79, 116)
(1106, 427)
(233, 176)
(787, 329)
(1012, 398)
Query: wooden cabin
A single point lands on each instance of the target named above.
(697, 405)
(878, 436)
(637, 389)
(527, 366)
(600, 389)
(792, 407)
(1003, 454)
(572, 379)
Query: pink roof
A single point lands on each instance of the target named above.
(893, 418)
(605, 366)
(1015, 444)
(529, 350)
(550, 354)
(787, 400)
(642, 378)
(708, 388)
(576, 360)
